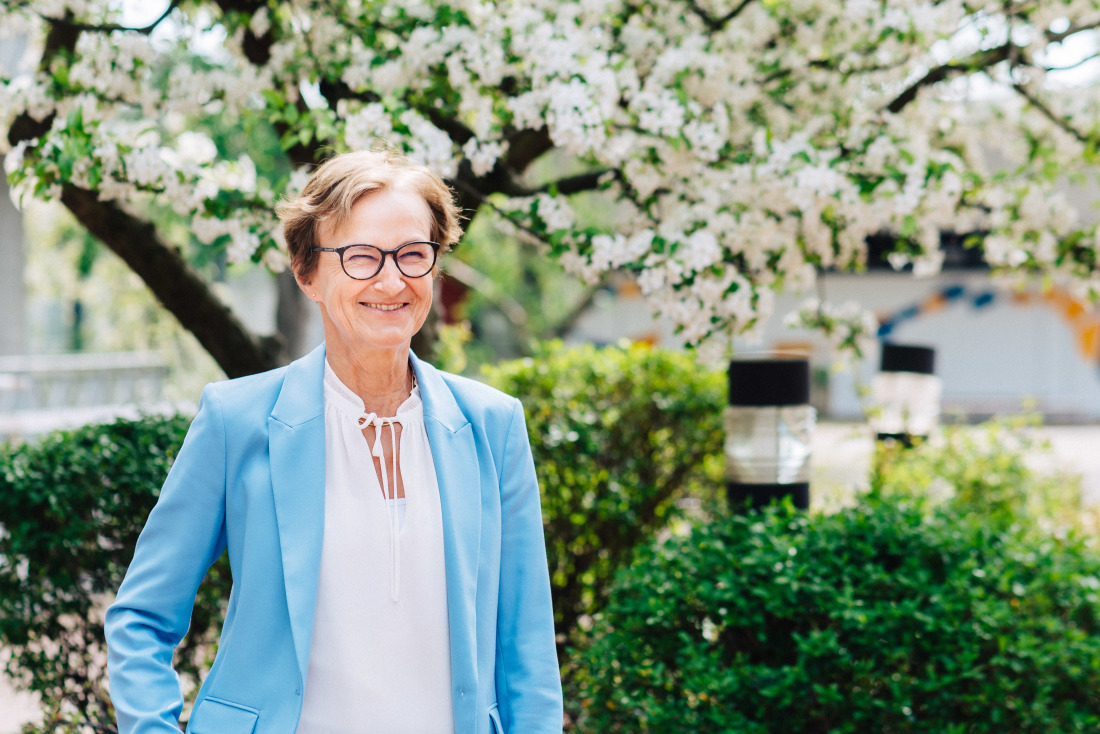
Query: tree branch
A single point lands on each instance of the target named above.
(1073, 29)
(110, 27)
(575, 184)
(475, 280)
(501, 182)
(175, 284)
(524, 146)
(712, 23)
(1048, 113)
(560, 329)
(979, 60)
(1074, 65)
(467, 192)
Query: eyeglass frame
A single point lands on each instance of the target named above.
(382, 262)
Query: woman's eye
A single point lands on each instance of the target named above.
(361, 258)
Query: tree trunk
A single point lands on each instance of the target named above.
(293, 316)
(423, 341)
(175, 284)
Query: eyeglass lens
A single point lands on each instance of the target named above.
(414, 259)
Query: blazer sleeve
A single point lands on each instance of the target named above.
(184, 535)
(528, 678)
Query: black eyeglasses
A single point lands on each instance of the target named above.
(363, 262)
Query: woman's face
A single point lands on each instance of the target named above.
(386, 310)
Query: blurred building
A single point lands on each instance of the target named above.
(996, 349)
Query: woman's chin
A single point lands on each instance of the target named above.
(386, 336)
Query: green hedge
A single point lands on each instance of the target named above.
(955, 599)
(877, 619)
(985, 470)
(71, 507)
(618, 435)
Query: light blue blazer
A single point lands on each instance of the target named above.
(250, 477)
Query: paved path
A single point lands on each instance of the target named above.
(842, 454)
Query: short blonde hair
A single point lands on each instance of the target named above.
(342, 180)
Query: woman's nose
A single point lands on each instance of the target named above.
(389, 278)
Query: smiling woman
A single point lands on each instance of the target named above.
(382, 518)
(365, 318)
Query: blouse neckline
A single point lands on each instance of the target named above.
(344, 399)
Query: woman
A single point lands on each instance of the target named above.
(382, 518)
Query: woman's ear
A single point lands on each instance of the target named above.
(305, 282)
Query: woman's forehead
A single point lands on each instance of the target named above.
(400, 211)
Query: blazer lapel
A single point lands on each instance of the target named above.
(296, 442)
(457, 469)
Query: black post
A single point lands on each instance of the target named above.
(768, 427)
(904, 358)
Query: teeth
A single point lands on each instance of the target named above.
(383, 307)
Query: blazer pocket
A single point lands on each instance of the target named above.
(215, 716)
(494, 719)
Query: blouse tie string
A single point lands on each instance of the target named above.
(389, 491)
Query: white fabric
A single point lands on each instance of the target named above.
(380, 656)
(397, 508)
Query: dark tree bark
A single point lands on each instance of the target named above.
(292, 315)
(163, 269)
(175, 284)
(423, 341)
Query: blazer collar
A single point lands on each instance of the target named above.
(296, 450)
(439, 401)
(302, 396)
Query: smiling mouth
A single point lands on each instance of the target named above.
(384, 306)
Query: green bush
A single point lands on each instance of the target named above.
(71, 508)
(618, 434)
(886, 617)
(985, 471)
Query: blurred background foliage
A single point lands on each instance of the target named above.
(619, 434)
(82, 298)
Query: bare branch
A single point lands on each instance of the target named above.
(1073, 29)
(716, 24)
(468, 191)
(1048, 113)
(524, 146)
(174, 283)
(110, 27)
(493, 293)
(979, 60)
(1083, 61)
(560, 329)
(575, 184)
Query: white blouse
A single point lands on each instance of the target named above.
(380, 656)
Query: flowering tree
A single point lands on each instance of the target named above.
(739, 147)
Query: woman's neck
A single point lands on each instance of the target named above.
(382, 380)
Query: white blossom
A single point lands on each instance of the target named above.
(734, 160)
(428, 144)
(364, 128)
(483, 155)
